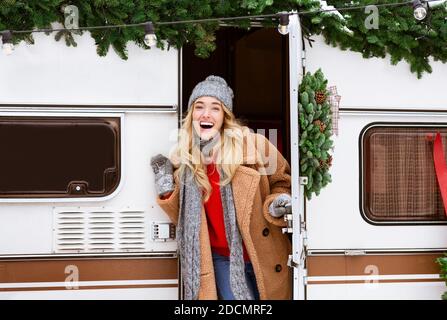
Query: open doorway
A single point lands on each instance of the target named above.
(255, 65)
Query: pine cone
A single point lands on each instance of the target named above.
(320, 124)
(329, 161)
(322, 164)
(320, 97)
(322, 127)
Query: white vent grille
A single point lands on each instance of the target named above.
(69, 232)
(88, 230)
(132, 233)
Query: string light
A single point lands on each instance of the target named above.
(8, 46)
(283, 26)
(150, 37)
(273, 15)
(420, 10)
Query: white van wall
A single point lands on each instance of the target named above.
(333, 218)
(50, 73)
(375, 83)
(349, 258)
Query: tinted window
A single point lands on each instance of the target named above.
(59, 157)
(399, 181)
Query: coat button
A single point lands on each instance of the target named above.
(265, 232)
(278, 268)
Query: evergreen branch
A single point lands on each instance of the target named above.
(399, 34)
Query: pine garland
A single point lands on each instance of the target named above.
(399, 34)
(443, 263)
(315, 120)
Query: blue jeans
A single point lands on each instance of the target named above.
(222, 274)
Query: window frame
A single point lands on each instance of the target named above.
(362, 178)
(117, 127)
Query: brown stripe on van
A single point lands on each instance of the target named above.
(399, 264)
(370, 282)
(91, 269)
(91, 287)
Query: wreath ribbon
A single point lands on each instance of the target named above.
(440, 168)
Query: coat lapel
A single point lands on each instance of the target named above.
(244, 184)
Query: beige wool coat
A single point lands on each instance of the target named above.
(264, 175)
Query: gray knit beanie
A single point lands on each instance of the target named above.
(213, 86)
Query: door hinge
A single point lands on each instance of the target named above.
(288, 218)
(295, 264)
(291, 263)
(304, 239)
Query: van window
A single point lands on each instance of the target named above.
(398, 179)
(58, 157)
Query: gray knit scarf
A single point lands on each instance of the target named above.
(188, 234)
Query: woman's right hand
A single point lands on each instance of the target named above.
(164, 178)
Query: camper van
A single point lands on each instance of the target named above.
(78, 211)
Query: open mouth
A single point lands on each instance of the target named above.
(206, 125)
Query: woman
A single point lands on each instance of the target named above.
(227, 197)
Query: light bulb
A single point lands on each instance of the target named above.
(8, 48)
(283, 26)
(420, 9)
(150, 40)
(283, 29)
(420, 13)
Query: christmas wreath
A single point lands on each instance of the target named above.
(315, 119)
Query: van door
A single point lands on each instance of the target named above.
(296, 220)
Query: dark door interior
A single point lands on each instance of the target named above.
(255, 65)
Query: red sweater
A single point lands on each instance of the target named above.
(215, 217)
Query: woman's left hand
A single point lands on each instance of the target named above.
(278, 207)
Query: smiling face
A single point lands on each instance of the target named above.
(207, 117)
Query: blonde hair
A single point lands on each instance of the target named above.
(229, 151)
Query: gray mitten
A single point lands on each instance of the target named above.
(280, 205)
(164, 178)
